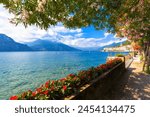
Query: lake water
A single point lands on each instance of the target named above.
(20, 71)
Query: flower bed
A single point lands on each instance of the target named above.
(71, 84)
(102, 87)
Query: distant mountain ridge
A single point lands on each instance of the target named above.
(111, 45)
(46, 45)
(8, 44)
(100, 48)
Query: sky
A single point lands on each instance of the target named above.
(83, 37)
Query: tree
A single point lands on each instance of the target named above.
(72, 13)
(127, 18)
(134, 23)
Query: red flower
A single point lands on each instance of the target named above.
(52, 88)
(47, 84)
(53, 82)
(38, 90)
(33, 94)
(46, 92)
(64, 87)
(14, 97)
(71, 75)
(63, 79)
(103, 66)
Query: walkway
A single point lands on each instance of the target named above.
(135, 85)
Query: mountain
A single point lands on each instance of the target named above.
(99, 48)
(88, 48)
(45, 45)
(8, 44)
(111, 45)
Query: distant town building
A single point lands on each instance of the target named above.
(126, 48)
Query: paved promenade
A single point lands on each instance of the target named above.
(135, 84)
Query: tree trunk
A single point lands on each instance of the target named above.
(148, 61)
(145, 48)
(146, 66)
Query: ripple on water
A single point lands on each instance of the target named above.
(20, 71)
(20, 84)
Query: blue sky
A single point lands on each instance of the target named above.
(83, 37)
(90, 32)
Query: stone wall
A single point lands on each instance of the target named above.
(101, 86)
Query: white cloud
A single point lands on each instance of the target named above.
(106, 34)
(73, 37)
(21, 34)
(89, 42)
(79, 35)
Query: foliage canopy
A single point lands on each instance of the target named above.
(129, 18)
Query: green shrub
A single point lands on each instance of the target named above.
(119, 55)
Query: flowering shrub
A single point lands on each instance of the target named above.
(58, 89)
(120, 55)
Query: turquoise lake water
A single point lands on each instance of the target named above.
(20, 71)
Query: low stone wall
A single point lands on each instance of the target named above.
(101, 86)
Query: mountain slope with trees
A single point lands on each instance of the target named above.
(45, 45)
(8, 44)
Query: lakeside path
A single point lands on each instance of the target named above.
(135, 85)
